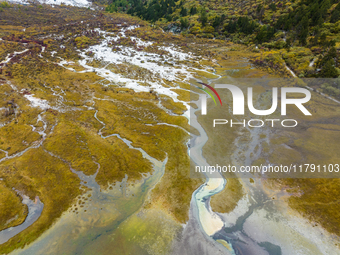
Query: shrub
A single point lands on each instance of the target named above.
(209, 29)
(330, 90)
(329, 70)
(272, 6)
(82, 41)
(184, 23)
(203, 17)
(195, 30)
(4, 4)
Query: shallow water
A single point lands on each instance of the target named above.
(259, 224)
(100, 214)
(34, 211)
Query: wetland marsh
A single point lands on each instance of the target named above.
(96, 121)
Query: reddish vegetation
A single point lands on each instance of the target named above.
(19, 38)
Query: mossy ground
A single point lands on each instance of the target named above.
(226, 200)
(13, 212)
(36, 173)
(72, 131)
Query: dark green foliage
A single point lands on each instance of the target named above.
(272, 6)
(265, 34)
(203, 17)
(117, 5)
(184, 23)
(305, 20)
(323, 39)
(288, 44)
(328, 70)
(331, 54)
(284, 23)
(302, 22)
(242, 24)
(335, 14)
(303, 30)
(154, 10)
(217, 21)
(193, 10)
(184, 12)
(168, 17)
(308, 13)
(315, 39)
(259, 11)
(328, 64)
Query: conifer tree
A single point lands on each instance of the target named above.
(328, 70)
(203, 17)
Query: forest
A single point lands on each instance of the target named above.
(273, 25)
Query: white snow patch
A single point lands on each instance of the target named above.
(177, 54)
(79, 3)
(140, 42)
(132, 27)
(154, 63)
(37, 102)
(312, 62)
(292, 73)
(8, 58)
(169, 66)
